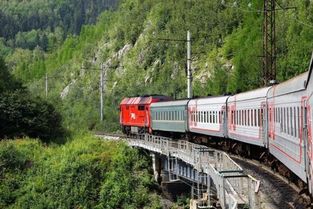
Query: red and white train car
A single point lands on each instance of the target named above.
(286, 120)
(247, 117)
(309, 125)
(207, 116)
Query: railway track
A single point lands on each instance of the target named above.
(276, 191)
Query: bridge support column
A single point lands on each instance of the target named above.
(156, 165)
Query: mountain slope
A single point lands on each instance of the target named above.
(141, 50)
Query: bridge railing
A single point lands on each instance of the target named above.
(233, 187)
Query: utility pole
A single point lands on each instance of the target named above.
(189, 73)
(269, 43)
(101, 92)
(46, 85)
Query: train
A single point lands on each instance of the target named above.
(272, 123)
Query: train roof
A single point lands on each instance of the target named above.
(253, 94)
(295, 84)
(310, 72)
(170, 103)
(210, 100)
(143, 100)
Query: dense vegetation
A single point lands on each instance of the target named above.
(129, 42)
(83, 173)
(24, 115)
(45, 23)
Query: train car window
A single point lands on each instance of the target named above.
(214, 116)
(204, 116)
(281, 119)
(278, 119)
(201, 116)
(230, 117)
(291, 122)
(141, 107)
(220, 117)
(248, 117)
(288, 121)
(261, 117)
(210, 117)
(258, 117)
(252, 118)
(285, 121)
(295, 122)
(236, 117)
(241, 117)
(299, 122)
(274, 109)
(278, 115)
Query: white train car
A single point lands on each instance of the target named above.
(286, 123)
(208, 116)
(309, 104)
(247, 117)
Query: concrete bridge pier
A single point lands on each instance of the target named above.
(157, 167)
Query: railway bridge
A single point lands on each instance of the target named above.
(217, 181)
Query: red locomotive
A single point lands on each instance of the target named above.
(135, 113)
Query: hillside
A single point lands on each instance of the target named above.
(129, 43)
(45, 23)
(83, 173)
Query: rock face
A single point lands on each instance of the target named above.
(66, 90)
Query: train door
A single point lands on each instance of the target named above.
(263, 124)
(224, 120)
(307, 139)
